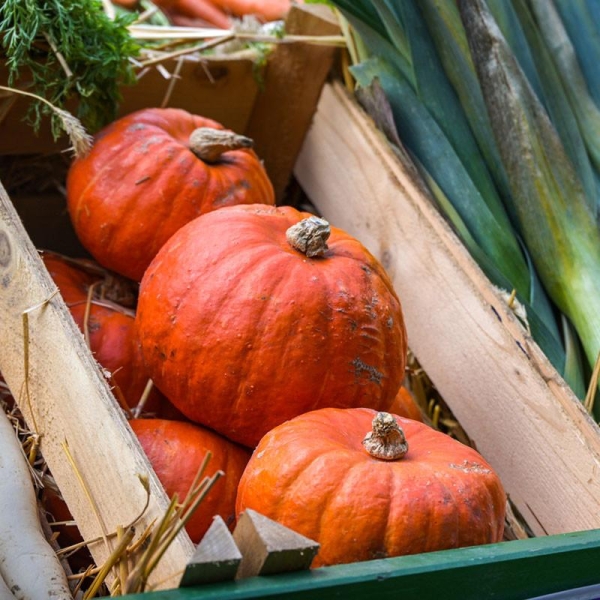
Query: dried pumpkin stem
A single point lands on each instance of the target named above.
(309, 236)
(209, 144)
(386, 441)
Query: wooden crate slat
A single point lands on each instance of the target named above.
(516, 570)
(268, 547)
(70, 403)
(521, 415)
(294, 79)
(216, 558)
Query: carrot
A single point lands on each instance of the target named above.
(28, 565)
(265, 10)
(190, 10)
(126, 3)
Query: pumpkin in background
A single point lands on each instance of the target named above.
(151, 172)
(405, 405)
(176, 450)
(109, 323)
(244, 325)
(314, 475)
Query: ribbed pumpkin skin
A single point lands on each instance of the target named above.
(313, 475)
(176, 450)
(141, 182)
(241, 332)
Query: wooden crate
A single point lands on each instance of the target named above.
(43, 358)
(515, 407)
(513, 404)
(273, 104)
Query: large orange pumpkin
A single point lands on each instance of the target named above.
(151, 172)
(176, 450)
(314, 475)
(242, 330)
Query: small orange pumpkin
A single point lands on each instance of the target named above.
(405, 405)
(151, 172)
(176, 450)
(109, 322)
(244, 325)
(362, 500)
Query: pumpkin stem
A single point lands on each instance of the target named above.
(386, 441)
(309, 236)
(209, 144)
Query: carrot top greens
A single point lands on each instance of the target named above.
(67, 50)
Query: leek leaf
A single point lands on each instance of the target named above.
(558, 227)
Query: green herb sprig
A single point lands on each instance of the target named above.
(70, 53)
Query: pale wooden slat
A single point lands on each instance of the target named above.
(512, 403)
(71, 403)
(294, 77)
(268, 547)
(216, 558)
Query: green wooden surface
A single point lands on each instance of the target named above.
(514, 570)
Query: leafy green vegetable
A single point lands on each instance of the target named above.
(67, 52)
(554, 214)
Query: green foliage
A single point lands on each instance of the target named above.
(67, 51)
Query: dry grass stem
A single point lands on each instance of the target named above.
(87, 493)
(137, 411)
(26, 365)
(593, 387)
(81, 141)
(115, 556)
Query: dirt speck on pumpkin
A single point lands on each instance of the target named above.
(470, 467)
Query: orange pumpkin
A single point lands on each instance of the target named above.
(405, 405)
(176, 450)
(315, 475)
(110, 325)
(151, 172)
(244, 325)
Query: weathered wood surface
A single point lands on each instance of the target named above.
(268, 547)
(221, 88)
(69, 404)
(500, 386)
(216, 558)
(294, 78)
(517, 570)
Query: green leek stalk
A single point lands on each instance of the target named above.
(557, 224)
(433, 127)
(565, 58)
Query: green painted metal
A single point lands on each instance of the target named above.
(515, 570)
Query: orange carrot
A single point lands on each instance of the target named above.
(126, 3)
(195, 10)
(265, 10)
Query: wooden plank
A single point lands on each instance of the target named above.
(224, 89)
(502, 389)
(516, 570)
(268, 547)
(294, 78)
(70, 404)
(216, 558)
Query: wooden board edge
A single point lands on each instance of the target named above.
(514, 405)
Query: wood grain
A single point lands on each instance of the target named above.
(519, 412)
(294, 78)
(69, 404)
